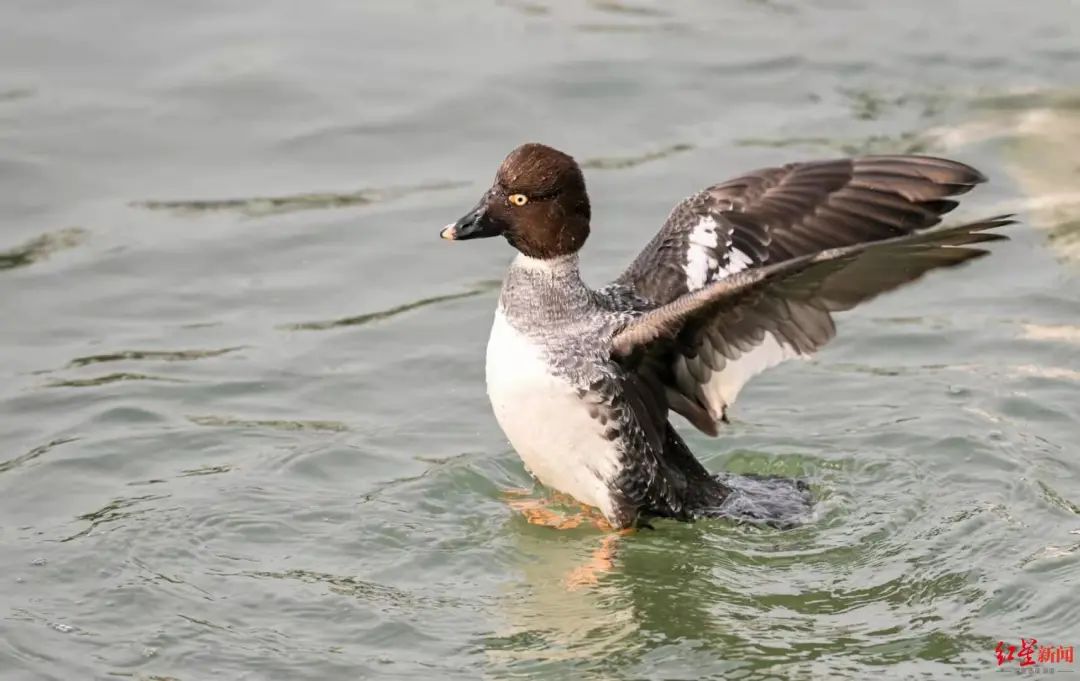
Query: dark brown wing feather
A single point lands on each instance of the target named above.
(688, 343)
(774, 214)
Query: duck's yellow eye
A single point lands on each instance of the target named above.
(518, 199)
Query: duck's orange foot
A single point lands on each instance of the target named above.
(514, 493)
(537, 513)
(601, 562)
(549, 518)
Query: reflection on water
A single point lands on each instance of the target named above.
(1039, 132)
(549, 625)
(713, 599)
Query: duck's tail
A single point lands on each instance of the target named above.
(770, 500)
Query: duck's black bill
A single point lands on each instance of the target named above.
(476, 224)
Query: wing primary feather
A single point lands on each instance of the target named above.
(747, 272)
(933, 248)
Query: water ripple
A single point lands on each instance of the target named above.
(258, 206)
(151, 355)
(40, 248)
(107, 379)
(896, 143)
(34, 453)
(367, 318)
(116, 510)
(274, 424)
(623, 162)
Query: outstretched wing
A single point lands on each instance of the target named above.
(704, 345)
(775, 214)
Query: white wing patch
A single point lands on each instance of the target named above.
(718, 389)
(702, 266)
(700, 261)
(722, 387)
(737, 261)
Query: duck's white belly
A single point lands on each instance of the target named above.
(545, 420)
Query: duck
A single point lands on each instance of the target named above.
(741, 277)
